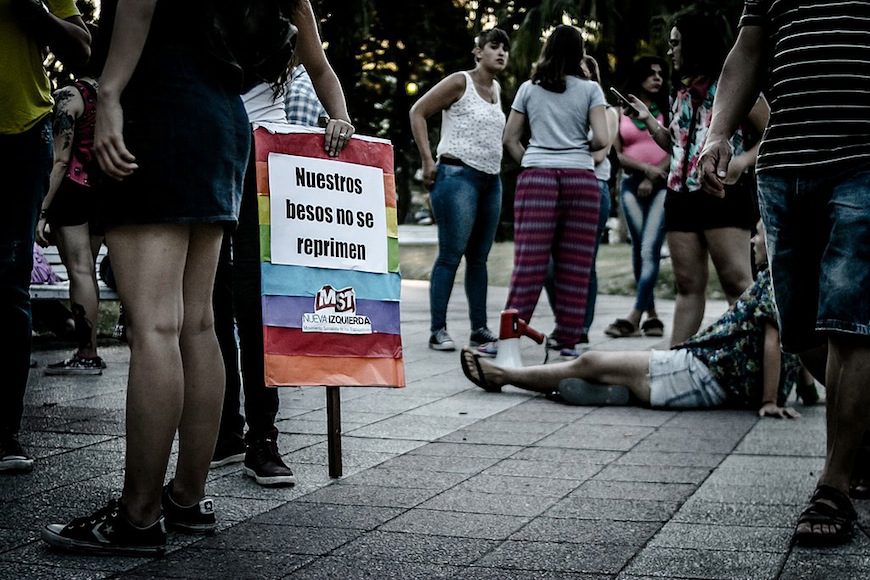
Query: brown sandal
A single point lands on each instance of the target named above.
(621, 328)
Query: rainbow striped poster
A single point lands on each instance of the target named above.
(330, 260)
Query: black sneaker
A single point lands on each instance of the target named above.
(264, 464)
(194, 519)
(481, 336)
(107, 531)
(440, 340)
(13, 458)
(227, 452)
(77, 365)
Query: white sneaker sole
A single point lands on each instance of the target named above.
(237, 458)
(273, 481)
(16, 465)
(444, 346)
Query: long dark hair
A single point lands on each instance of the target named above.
(640, 70)
(704, 41)
(560, 57)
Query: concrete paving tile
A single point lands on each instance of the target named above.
(805, 480)
(237, 485)
(332, 568)
(489, 503)
(700, 511)
(455, 464)
(627, 416)
(347, 416)
(577, 531)
(93, 427)
(443, 449)
(376, 404)
(720, 537)
(604, 437)
(685, 443)
(550, 469)
(481, 573)
(39, 554)
(757, 494)
(419, 548)
(238, 509)
(295, 425)
(405, 478)
(559, 557)
(412, 427)
(462, 525)
(491, 437)
(322, 515)
(653, 474)
(369, 495)
(613, 509)
(377, 445)
(12, 570)
(16, 538)
(500, 424)
(822, 565)
(318, 455)
(259, 537)
(708, 564)
(62, 440)
(205, 564)
(456, 406)
(524, 413)
(670, 458)
(516, 485)
(766, 463)
(634, 490)
(801, 445)
(563, 455)
(738, 421)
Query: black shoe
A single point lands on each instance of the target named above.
(264, 464)
(228, 451)
(195, 519)
(440, 340)
(107, 531)
(77, 365)
(13, 458)
(480, 336)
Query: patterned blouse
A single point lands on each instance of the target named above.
(733, 348)
(692, 109)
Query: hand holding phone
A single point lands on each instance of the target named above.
(630, 109)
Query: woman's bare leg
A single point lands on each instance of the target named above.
(204, 377)
(149, 263)
(729, 248)
(689, 259)
(628, 368)
(74, 243)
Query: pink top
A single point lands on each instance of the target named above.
(638, 143)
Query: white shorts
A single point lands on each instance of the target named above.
(678, 380)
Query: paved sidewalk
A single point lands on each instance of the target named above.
(443, 480)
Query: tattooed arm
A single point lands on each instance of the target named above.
(68, 106)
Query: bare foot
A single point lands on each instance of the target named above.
(481, 371)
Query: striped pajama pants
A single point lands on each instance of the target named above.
(555, 213)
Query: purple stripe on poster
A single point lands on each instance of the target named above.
(287, 311)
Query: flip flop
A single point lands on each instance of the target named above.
(466, 358)
(653, 327)
(586, 393)
(621, 328)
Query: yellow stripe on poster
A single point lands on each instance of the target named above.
(392, 222)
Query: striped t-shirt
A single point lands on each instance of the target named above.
(818, 82)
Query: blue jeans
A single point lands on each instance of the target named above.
(592, 293)
(818, 244)
(27, 157)
(645, 217)
(467, 204)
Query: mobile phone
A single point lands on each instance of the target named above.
(621, 98)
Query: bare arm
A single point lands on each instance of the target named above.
(67, 38)
(737, 92)
(598, 124)
(758, 117)
(513, 132)
(326, 84)
(439, 98)
(612, 127)
(132, 23)
(771, 367)
(68, 106)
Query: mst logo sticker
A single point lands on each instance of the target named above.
(335, 311)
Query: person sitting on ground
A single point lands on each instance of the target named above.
(735, 362)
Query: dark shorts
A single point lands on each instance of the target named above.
(697, 211)
(818, 240)
(190, 136)
(74, 205)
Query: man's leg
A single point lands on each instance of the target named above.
(628, 368)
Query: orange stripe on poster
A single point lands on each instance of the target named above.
(263, 177)
(390, 189)
(369, 153)
(291, 371)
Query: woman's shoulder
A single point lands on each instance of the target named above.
(69, 100)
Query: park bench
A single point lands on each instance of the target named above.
(60, 291)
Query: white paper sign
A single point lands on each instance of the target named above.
(327, 214)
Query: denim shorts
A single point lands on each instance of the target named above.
(818, 241)
(678, 380)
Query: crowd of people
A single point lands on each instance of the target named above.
(150, 150)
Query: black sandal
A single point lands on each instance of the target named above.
(653, 327)
(621, 328)
(841, 516)
(466, 359)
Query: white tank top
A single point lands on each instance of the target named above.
(471, 129)
(262, 106)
